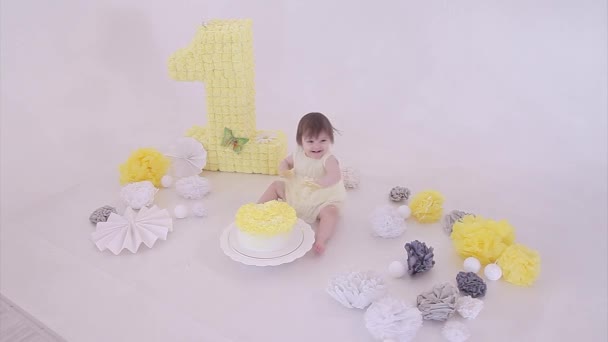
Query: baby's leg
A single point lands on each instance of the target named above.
(275, 191)
(328, 219)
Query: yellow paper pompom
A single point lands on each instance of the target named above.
(427, 206)
(486, 240)
(144, 164)
(520, 265)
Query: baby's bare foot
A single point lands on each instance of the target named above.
(319, 247)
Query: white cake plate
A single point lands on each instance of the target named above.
(300, 241)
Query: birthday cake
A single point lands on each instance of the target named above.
(265, 227)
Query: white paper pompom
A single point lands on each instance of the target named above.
(199, 210)
(455, 331)
(188, 157)
(350, 178)
(387, 222)
(166, 181)
(492, 272)
(193, 187)
(471, 264)
(397, 269)
(180, 211)
(356, 289)
(404, 211)
(391, 318)
(469, 307)
(138, 195)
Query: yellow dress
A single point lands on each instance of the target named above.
(306, 200)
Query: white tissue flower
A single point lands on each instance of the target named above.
(350, 177)
(469, 307)
(391, 318)
(455, 331)
(356, 289)
(138, 195)
(193, 187)
(387, 222)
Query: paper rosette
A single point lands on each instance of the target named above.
(188, 157)
(132, 229)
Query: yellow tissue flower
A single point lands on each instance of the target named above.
(486, 240)
(144, 164)
(427, 206)
(270, 218)
(520, 265)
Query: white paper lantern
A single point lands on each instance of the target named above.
(404, 211)
(396, 269)
(166, 181)
(471, 264)
(492, 272)
(180, 211)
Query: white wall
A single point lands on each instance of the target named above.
(498, 90)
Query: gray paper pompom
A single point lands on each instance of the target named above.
(439, 303)
(102, 214)
(471, 284)
(419, 257)
(451, 218)
(399, 193)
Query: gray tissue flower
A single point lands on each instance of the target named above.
(419, 257)
(438, 304)
(102, 214)
(451, 218)
(399, 193)
(471, 284)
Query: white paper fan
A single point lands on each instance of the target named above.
(188, 157)
(130, 230)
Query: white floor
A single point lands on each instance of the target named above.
(17, 325)
(500, 106)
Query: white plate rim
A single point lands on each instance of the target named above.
(304, 247)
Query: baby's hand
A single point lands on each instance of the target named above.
(286, 173)
(312, 184)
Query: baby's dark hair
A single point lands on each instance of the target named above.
(313, 124)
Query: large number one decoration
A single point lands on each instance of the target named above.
(221, 56)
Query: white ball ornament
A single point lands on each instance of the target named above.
(471, 264)
(492, 272)
(180, 211)
(396, 269)
(166, 181)
(404, 211)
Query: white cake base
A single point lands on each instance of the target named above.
(260, 243)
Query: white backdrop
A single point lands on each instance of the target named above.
(515, 86)
(502, 102)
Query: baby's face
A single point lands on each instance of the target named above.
(316, 147)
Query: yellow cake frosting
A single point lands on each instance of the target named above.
(267, 219)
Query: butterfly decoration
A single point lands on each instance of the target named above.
(230, 140)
